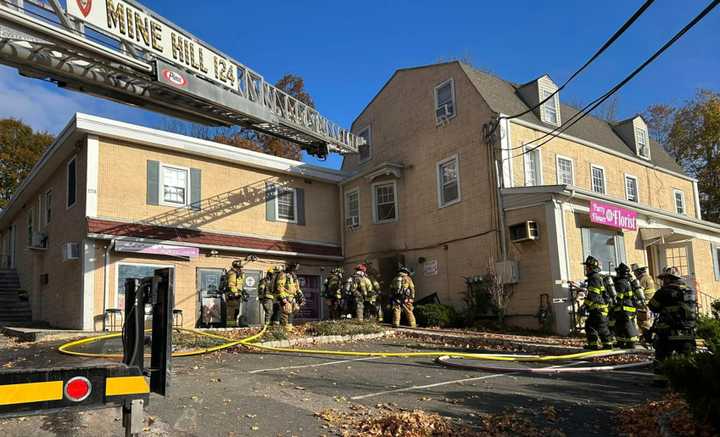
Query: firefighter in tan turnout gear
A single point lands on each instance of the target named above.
(403, 295)
(266, 294)
(287, 289)
(645, 316)
(361, 289)
(236, 294)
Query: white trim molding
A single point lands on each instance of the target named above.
(454, 158)
(696, 197)
(72, 160)
(161, 186)
(92, 168)
(88, 295)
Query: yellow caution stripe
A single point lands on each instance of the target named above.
(25, 393)
(126, 385)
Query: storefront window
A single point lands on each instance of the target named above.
(126, 271)
(607, 246)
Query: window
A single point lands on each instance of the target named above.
(445, 101)
(598, 179)
(30, 227)
(549, 111)
(565, 171)
(352, 208)
(631, 188)
(365, 150)
(286, 204)
(384, 202)
(47, 207)
(715, 248)
(448, 181)
(607, 246)
(533, 166)
(679, 198)
(643, 144)
(129, 271)
(677, 256)
(174, 188)
(71, 182)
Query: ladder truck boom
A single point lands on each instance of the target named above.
(122, 51)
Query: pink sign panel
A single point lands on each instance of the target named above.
(613, 216)
(157, 249)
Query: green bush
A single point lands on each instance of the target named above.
(436, 315)
(343, 327)
(697, 377)
(709, 330)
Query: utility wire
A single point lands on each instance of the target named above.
(595, 103)
(600, 51)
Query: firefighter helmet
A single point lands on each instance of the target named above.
(622, 270)
(404, 269)
(670, 272)
(592, 263)
(237, 264)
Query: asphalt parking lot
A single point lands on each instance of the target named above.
(239, 393)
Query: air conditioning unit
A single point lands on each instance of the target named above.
(39, 240)
(352, 222)
(443, 113)
(508, 271)
(71, 251)
(524, 231)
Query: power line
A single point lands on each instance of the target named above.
(595, 103)
(602, 49)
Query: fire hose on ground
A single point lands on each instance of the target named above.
(441, 357)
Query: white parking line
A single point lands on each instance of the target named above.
(329, 363)
(440, 384)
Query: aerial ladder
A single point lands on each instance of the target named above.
(122, 51)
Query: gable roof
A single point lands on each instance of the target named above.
(502, 97)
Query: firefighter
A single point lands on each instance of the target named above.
(628, 299)
(645, 316)
(333, 292)
(236, 294)
(674, 328)
(378, 303)
(266, 290)
(361, 289)
(403, 295)
(597, 304)
(287, 289)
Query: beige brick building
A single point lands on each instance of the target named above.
(441, 191)
(437, 188)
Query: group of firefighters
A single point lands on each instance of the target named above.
(614, 305)
(361, 295)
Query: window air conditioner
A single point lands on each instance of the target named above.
(71, 251)
(443, 112)
(524, 231)
(352, 222)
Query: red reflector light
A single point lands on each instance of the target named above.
(77, 389)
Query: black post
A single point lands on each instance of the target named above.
(162, 301)
(134, 326)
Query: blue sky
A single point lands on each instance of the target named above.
(347, 51)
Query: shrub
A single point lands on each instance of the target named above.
(709, 330)
(434, 314)
(343, 327)
(697, 377)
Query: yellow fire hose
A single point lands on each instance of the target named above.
(248, 341)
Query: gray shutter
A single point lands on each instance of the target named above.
(716, 260)
(585, 242)
(153, 182)
(270, 194)
(300, 199)
(195, 189)
(620, 247)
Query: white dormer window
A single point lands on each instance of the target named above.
(445, 101)
(550, 110)
(642, 142)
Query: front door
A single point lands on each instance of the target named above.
(251, 309)
(310, 286)
(680, 256)
(211, 306)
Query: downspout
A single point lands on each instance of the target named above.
(500, 176)
(106, 280)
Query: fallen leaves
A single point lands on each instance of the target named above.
(668, 416)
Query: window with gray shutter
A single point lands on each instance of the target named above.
(153, 182)
(195, 189)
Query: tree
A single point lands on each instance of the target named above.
(691, 134)
(20, 149)
(245, 138)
